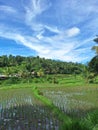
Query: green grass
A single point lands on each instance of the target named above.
(62, 80)
(65, 120)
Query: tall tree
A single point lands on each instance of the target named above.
(93, 64)
(95, 48)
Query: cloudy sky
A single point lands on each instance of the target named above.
(56, 29)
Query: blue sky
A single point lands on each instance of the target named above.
(56, 29)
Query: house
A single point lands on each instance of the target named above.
(2, 76)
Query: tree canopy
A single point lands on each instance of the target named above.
(93, 65)
(96, 39)
(95, 48)
(19, 64)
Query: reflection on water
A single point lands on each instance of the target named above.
(27, 117)
(24, 112)
(75, 104)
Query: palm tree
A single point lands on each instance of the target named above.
(96, 39)
(95, 48)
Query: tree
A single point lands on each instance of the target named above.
(95, 48)
(93, 64)
(40, 73)
(85, 73)
(96, 39)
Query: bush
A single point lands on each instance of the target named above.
(12, 80)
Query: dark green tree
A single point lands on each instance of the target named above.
(93, 64)
(95, 48)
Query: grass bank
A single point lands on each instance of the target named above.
(66, 121)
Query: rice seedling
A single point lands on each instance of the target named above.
(73, 101)
(21, 110)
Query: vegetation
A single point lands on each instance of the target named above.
(20, 109)
(93, 64)
(16, 69)
(36, 66)
(17, 101)
(38, 93)
(95, 47)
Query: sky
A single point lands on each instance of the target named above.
(54, 29)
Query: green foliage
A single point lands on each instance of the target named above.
(90, 122)
(12, 80)
(93, 65)
(38, 66)
(95, 48)
(96, 39)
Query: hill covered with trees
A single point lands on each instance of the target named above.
(36, 66)
(21, 67)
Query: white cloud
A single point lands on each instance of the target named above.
(35, 8)
(75, 11)
(64, 45)
(7, 9)
(39, 35)
(53, 29)
(55, 49)
(73, 32)
(30, 42)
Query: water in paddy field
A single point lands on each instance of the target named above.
(20, 110)
(72, 101)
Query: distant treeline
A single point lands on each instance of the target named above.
(15, 64)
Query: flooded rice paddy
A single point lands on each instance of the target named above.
(20, 110)
(73, 101)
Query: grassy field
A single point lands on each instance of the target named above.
(67, 104)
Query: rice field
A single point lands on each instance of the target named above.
(73, 101)
(21, 110)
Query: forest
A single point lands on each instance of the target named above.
(19, 67)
